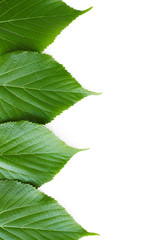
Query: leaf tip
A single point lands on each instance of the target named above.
(85, 11)
(83, 149)
(92, 234)
(94, 93)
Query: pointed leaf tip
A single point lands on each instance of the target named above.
(90, 93)
(87, 10)
(92, 234)
(82, 149)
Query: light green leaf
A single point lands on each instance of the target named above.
(34, 87)
(26, 213)
(30, 152)
(32, 24)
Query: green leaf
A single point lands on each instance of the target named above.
(30, 152)
(26, 213)
(32, 24)
(34, 87)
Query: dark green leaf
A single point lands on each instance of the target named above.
(32, 24)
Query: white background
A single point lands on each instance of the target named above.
(114, 188)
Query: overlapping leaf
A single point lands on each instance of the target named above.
(32, 24)
(26, 213)
(34, 87)
(30, 152)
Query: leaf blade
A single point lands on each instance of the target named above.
(27, 213)
(35, 87)
(31, 153)
(33, 24)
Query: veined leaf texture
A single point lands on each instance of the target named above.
(34, 89)
(31, 153)
(32, 24)
(28, 214)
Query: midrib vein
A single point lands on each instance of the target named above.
(30, 18)
(38, 89)
(39, 229)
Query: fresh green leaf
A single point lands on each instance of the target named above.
(26, 213)
(34, 87)
(32, 24)
(30, 152)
